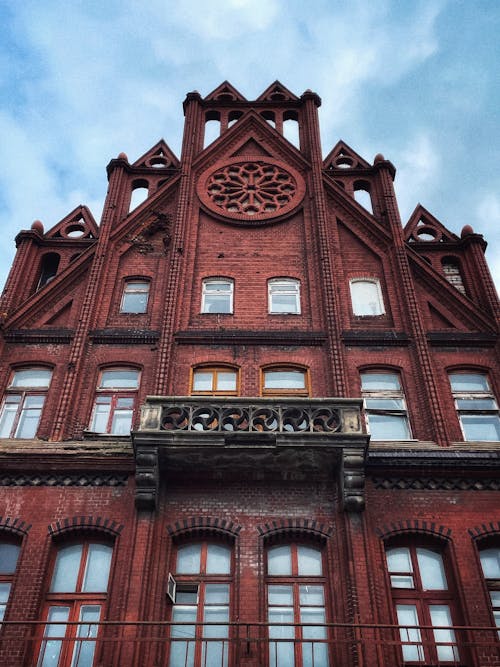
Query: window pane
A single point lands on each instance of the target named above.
(31, 377)
(431, 568)
(407, 615)
(30, 417)
(9, 554)
(226, 381)
(311, 595)
(476, 404)
(217, 303)
(50, 649)
(481, 427)
(97, 570)
(66, 569)
(284, 303)
(279, 560)
(366, 298)
(465, 382)
(309, 561)
(120, 379)
(280, 595)
(284, 380)
(490, 561)
(182, 652)
(399, 560)
(122, 422)
(217, 594)
(188, 559)
(218, 559)
(218, 286)
(440, 615)
(380, 381)
(4, 597)
(83, 652)
(8, 415)
(388, 404)
(135, 302)
(102, 411)
(388, 427)
(202, 381)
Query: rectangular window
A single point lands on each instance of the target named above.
(284, 296)
(135, 297)
(217, 296)
(490, 563)
(9, 554)
(476, 407)
(284, 381)
(215, 381)
(23, 403)
(385, 406)
(115, 401)
(366, 297)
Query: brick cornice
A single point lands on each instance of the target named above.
(228, 337)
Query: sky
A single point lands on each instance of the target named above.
(416, 80)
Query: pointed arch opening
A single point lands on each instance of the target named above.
(140, 191)
(362, 194)
(291, 127)
(212, 127)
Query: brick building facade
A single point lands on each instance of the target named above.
(189, 390)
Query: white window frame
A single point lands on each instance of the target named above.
(227, 292)
(472, 396)
(372, 395)
(286, 287)
(129, 290)
(359, 305)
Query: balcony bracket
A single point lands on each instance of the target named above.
(146, 476)
(352, 479)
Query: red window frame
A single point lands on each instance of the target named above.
(199, 580)
(7, 574)
(296, 580)
(423, 600)
(74, 601)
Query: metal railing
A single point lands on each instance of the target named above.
(145, 643)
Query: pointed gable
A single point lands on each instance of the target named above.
(424, 227)
(79, 224)
(277, 92)
(160, 155)
(251, 148)
(225, 93)
(343, 156)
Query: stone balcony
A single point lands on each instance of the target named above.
(285, 435)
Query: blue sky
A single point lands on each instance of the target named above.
(418, 81)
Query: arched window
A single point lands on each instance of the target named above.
(285, 380)
(9, 554)
(284, 296)
(135, 296)
(217, 295)
(476, 406)
(114, 402)
(77, 593)
(422, 596)
(23, 402)
(212, 127)
(291, 127)
(48, 270)
(490, 563)
(296, 594)
(214, 381)
(385, 405)
(200, 591)
(140, 191)
(366, 297)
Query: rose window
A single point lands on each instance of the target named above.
(251, 191)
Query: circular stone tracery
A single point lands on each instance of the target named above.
(251, 191)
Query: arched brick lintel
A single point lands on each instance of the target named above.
(198, 526)
(416, 527)
(14, 526)
(295, 528)
(85, 523)
(485, 530)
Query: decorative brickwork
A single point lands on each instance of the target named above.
(203, 525)
(413, 526)
(438, 483)
(293, 528)
(15, 526)
(84, 523)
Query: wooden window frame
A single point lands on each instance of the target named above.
(473, 395)
(284, 368)
(215, 370)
